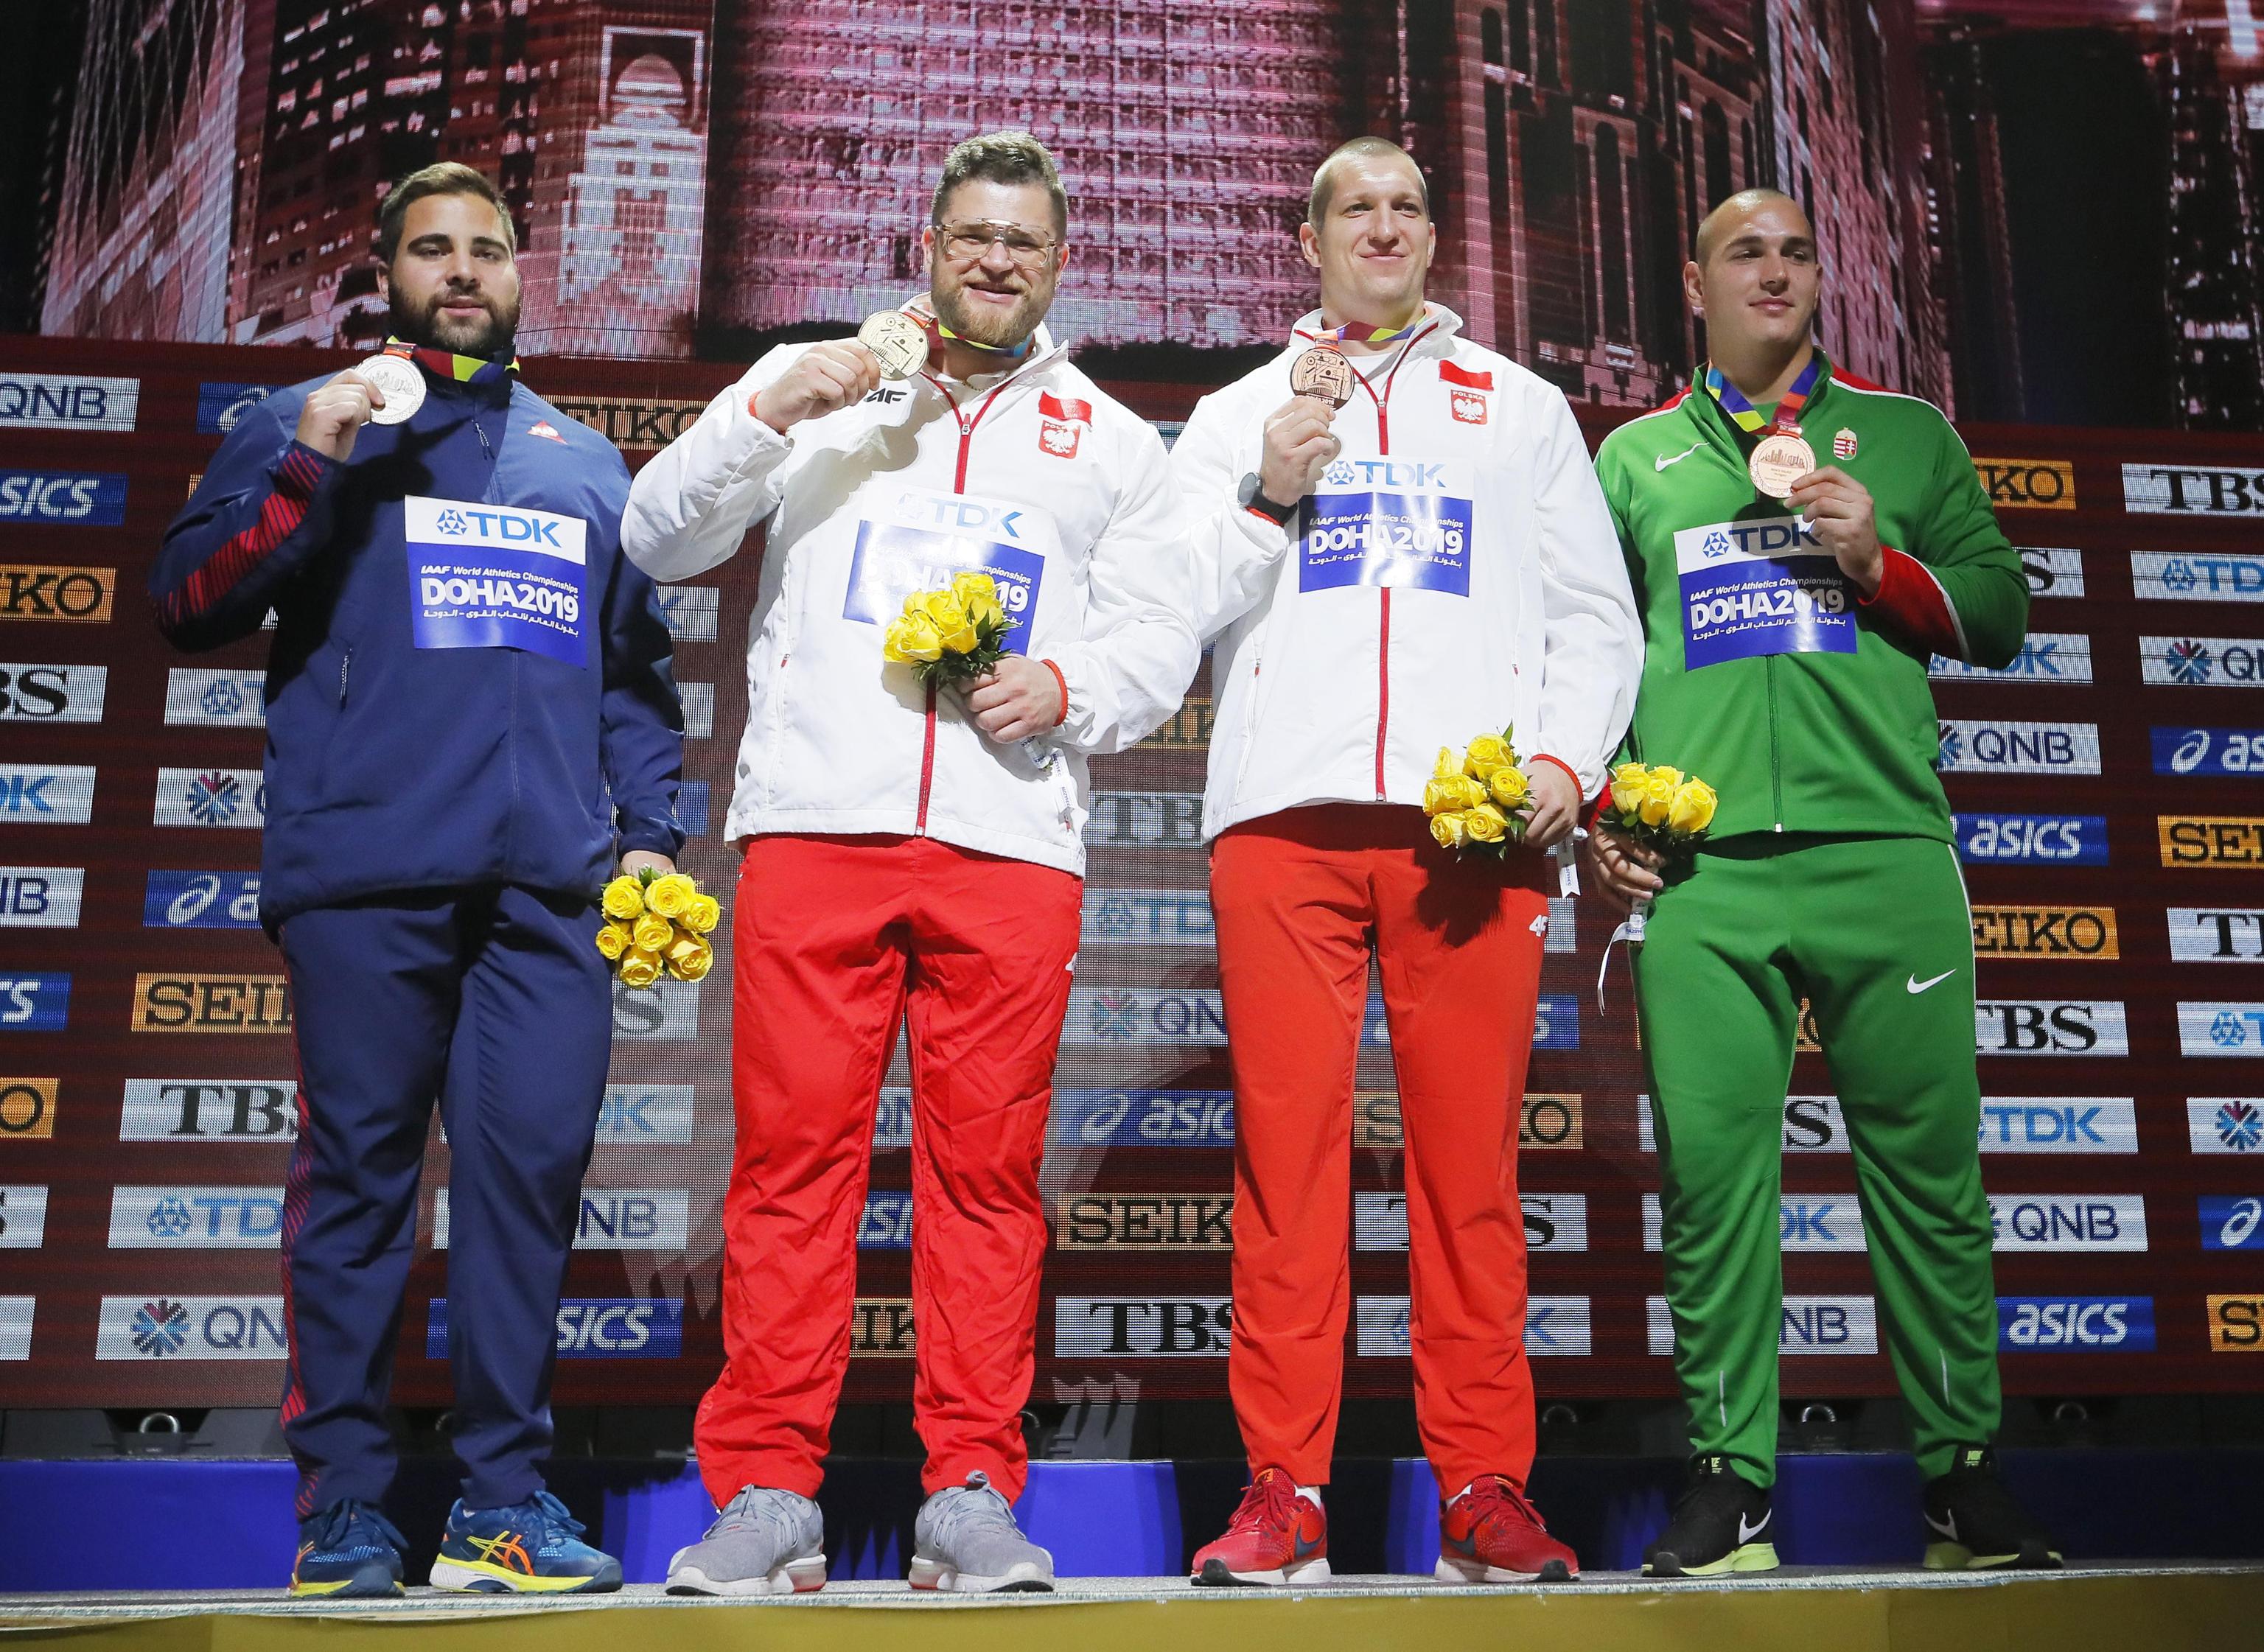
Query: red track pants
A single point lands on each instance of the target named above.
(1301, 896)
(835, 939)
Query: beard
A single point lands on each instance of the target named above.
(490, 335)
(1000, 329)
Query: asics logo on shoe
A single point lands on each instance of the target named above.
(1914, 986)
(1665, 459)
(1948, 1528)
(1747, 1533)
(505, 1550)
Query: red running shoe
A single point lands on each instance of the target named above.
(1276, 1537)
(1491, 1534)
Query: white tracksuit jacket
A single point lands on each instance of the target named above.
(1061, 492)
(1455, 573)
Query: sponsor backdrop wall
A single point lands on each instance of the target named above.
(2110, 796)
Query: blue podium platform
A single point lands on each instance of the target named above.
(173, 1523)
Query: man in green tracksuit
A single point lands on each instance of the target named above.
(1800, 542)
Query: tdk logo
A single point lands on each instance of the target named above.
(496, 526)
(2081, 1325)
(2166, 578)
(2099, 1124)
(2044, 657)
(1779, 536)
(2207, 751)
(51, 797)
(1384, 473)
(2064, 840)
(949, 513)
(591, 1327)
(79, 498)
(2233, 1224)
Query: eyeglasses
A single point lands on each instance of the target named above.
(971, 240)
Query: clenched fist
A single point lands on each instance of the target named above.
(1299, 446)
(334, 414)
(825, 377)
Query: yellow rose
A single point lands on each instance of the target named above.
(988, 615)
(613, 940)
(706, 913)
(1509, 786)
(1694, 806)
(1486, 824)
(670, 896)
(911, 639)
(1449, 764)
(624, 898)
(1451, 830)
(973, 588)
(652, 933)
(1657, 801)
(1487, 753)
(640, 967)
(1443, 796)
(689, 958)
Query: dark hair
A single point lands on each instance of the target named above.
(1325, 175)
(1002, 157)
(448, 177)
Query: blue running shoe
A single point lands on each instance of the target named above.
(531, 1548)
(348, 1552)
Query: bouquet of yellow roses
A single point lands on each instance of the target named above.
(1662, 809)
(655, 924)
(950, 635)
(1474, 795)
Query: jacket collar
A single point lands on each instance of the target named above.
(1435, 333)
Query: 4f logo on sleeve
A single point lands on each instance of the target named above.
(1063, 421)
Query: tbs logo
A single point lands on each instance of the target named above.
(2082, 1324)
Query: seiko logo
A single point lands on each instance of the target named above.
(2220, 577)
(1187, 728)
(1146, 1221)
(2181, 490)
(2030, 1027)
(2214, 935)
(52, 694)
(1544, 1121)
(634, 426)
(881, 1327)
(81, 594)
(27, 1108)
(2074, 840)
(2211, 840)
(46, 402)
(2068, 1222)
(2077, 1323)
(2052, 571)
(2018, 748)
(2236, 1324)
(211, 1004)
(2220, 1029)
(236, 1110)
(2044, 931)
(2034, 484)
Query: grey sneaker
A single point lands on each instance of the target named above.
(765, 1542)
(966, 1541)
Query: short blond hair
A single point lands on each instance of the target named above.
(1325, 175)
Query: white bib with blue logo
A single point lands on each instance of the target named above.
(1765, 585)
(920, 539)
(1388, 522)
(496, 577)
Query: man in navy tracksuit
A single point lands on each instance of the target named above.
(464, 664)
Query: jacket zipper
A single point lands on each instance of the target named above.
(1383, 624)
(346, 664)
(1776, 759)
(958, 485)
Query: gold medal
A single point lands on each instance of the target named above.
(398, 381)
(1778, 462)
(1323, 373)
(898, 342)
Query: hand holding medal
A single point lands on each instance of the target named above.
(386, 388)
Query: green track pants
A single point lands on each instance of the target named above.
(1876, 932)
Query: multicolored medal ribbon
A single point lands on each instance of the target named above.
(1361, 333)
(1781, 458)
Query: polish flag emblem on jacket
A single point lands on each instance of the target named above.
(1062, 423)
(1467, 391)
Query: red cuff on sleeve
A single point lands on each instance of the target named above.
(1601, 806)
(1543, 757)
(1910, 599)
(1063, 684)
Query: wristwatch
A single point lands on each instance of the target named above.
(1252, 497)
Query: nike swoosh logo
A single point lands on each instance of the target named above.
(1302, 1549)
(1914, 986)
(1747, 1533)
(1665, 459)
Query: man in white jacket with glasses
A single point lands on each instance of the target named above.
(912, 852)
(1429, 560)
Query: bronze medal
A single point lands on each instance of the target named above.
(1323, 373)
(1778, 462)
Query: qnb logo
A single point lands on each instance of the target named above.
(191, 1327)
(654, 1219)
(2068, 1222)
(2018, 748)
(160, 1328)
(1808, 1325)
(2083, 1325)
(2202, 662)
